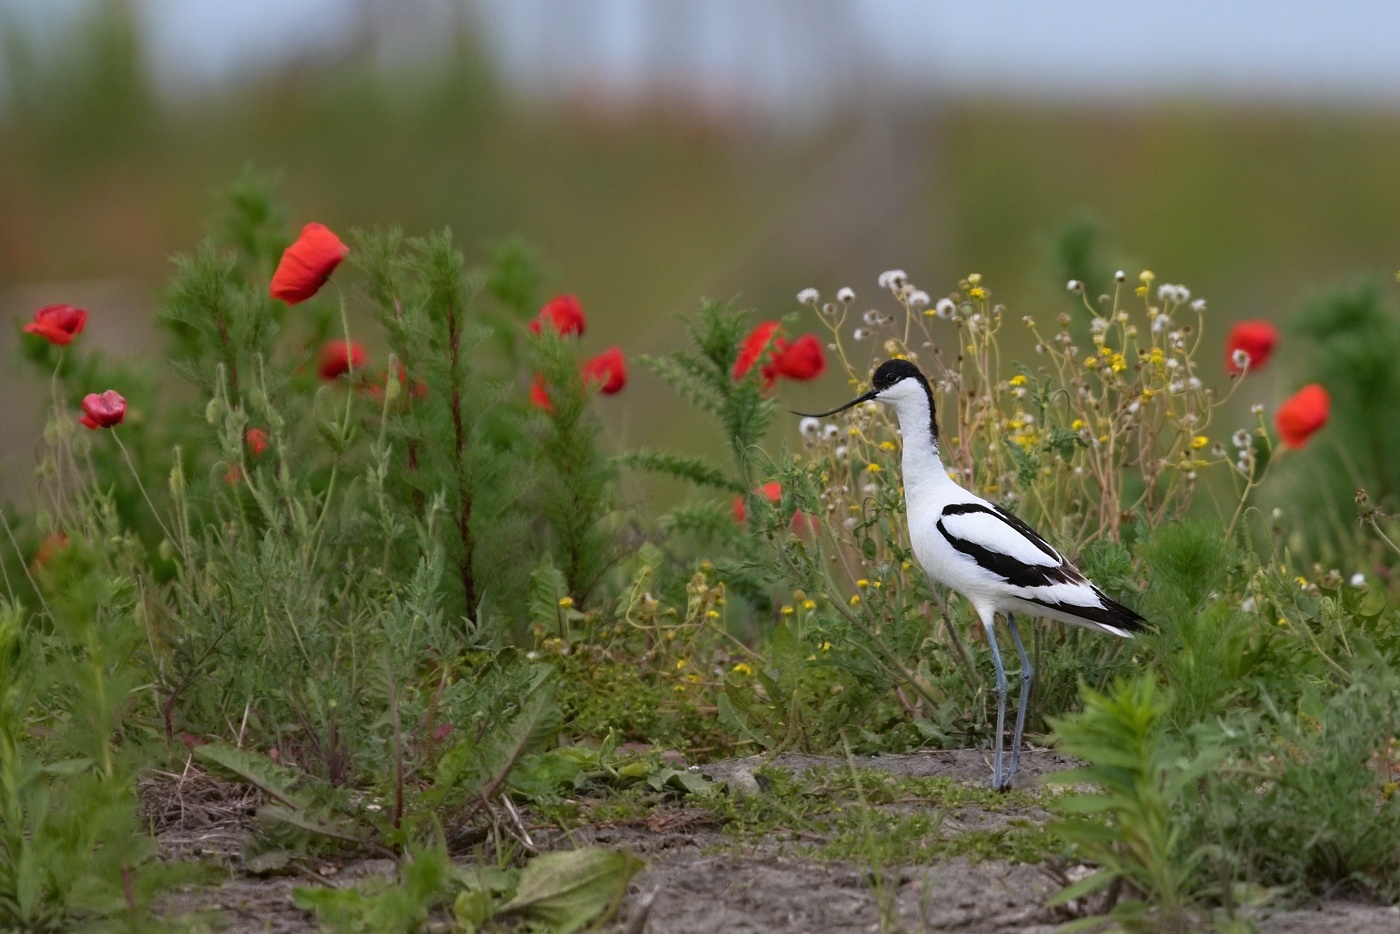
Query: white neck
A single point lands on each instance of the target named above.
(924, 472)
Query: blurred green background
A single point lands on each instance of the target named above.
(646, 192)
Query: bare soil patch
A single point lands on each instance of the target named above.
(698, 879)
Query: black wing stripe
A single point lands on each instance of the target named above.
(1110, 613)
(1014, 572)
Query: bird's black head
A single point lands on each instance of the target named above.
(891, 372)
(887, 376)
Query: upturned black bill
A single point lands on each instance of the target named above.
(840, 408)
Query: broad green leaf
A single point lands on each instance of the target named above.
(253, 769)
(572, 889)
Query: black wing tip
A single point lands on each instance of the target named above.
(1110, 615)
(1126, 618)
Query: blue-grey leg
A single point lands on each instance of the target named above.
(989, 624)
(1027, 678)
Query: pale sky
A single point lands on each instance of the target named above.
(783, 52)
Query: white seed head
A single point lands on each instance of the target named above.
(892, 279)
(945, 308)
(1074, 285)
(830, 431)
(1120, 276)
(859, 334)
(1199, 305)
(809, 297)
(1257, 408)
(1358, 579)
(1241, 438)
(1240, 358)
(918, 299)
(872, 317)
(846, 295)
(809, 426)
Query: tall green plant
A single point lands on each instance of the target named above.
(1127, 824)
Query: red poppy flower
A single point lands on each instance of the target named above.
(1255, 339)
(1302, 414)
(773, 490)
(337, 358)
(256, 441)
(803, 359)
(563, 313)
(754, 347)
(52, 544)
(57, 324)
(539, 396)
(307, 264)
(607, 370)
(103, 411)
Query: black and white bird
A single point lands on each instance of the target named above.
(982, 551)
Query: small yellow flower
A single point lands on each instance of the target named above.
(742, 669)
(1199, 442)
(1301, 581)
(809, 605)
(1118, 363)
(862, 583)
(905, 565)
(1146, 275)
(566, 602)
(1141, 290)
(1076, 425)
(973, 278)
(787, 609)
(977, 292)
(1103, 439)
(680, 663)
(1091, 362)
(852, 432)
(826, 646)
(873, 468)
(877, 584)
(1147, 394)
(930, 312)
(712, 614)
(855, 599)
(887, 445)
(679, 689)
(1018, 380)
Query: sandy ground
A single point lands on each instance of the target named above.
(698, 881)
